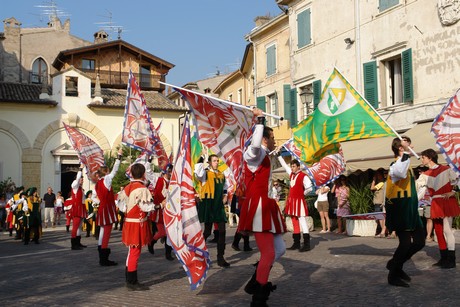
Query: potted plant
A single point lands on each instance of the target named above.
(360, 198)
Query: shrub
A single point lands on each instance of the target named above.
(360, 198)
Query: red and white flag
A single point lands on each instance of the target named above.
(446, 130)
(138, 130)
(89, 153)
(326, 170)
(222, 127)
(181, 217)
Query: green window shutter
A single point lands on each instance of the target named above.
(293, 109)
(370, 83)
(407, 76)
(386, 4)
(287, 102)
(271, 60)
(316, 93)
(261, 103)
(304, 28)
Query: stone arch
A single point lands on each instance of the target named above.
(57, 125)
(16, 132)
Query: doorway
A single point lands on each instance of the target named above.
(68, 174)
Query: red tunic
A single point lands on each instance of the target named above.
(107, 212)
(136, 228)
(158, 197)
(78, 207)
(258, 212)
(438, 183)
(295, 203)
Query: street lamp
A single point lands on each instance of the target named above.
(306, 97)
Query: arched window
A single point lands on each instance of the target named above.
(39, 71)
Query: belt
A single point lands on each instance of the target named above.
(134, 220)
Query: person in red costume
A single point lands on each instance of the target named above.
(439, 181)
(78, 211)
(296, 206)
(136, 202)
(260, 214)
(103, 197)
(159, 199)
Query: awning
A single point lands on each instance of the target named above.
(362, 155)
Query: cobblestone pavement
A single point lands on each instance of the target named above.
(338, 271)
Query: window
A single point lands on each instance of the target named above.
(87, 64)
(397, 80)
(144, 71)
(304, 28)
(240, 96)
(230, 97)
(386, 4)
(71, 86)
(271, 60)
(273, 109)
(39, 71)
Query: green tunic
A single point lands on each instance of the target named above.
(211, 208)
(402, 205)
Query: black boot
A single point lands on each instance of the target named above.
(88, 231)
(306, 243)
(104, 257)
(79, 242)
(236, 241)
(296, 244)
(26, 236)
(216, 237)
(220, 256)
(394, 276)
(246, 247)
(260, 296)
(450, 260)
(133, 284)
(150, 247)
(74, 244)
(250, 287)
(443, 259)
(67, 227)
(168, 250)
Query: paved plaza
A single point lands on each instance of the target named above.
(338, 271)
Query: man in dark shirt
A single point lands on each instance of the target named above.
(49, 198)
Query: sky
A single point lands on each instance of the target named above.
(198, 37)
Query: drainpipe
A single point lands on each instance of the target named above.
(358, 48)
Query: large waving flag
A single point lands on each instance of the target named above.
(222, 127)
(89, 153)
(446, 130)
(323, 172)
(342, 115)
(138, 129)
(181, 218)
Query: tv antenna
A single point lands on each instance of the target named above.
(50, 9)
(110, 25)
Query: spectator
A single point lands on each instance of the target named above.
(58, 207)
(378, 188)
(342, 192)
(50, 199)
(323, 208)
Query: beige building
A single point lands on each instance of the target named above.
(85, 88)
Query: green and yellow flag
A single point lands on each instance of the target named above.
(341, 115)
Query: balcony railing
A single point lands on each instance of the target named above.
(116, 79)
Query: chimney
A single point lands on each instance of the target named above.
(101, 37)
(261, 20)
(97, 91)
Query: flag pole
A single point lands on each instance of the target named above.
(223, 101)
(392, 129)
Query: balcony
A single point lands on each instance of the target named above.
(116, 79)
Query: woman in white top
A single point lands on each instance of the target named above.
(323, 208)
(58, 207)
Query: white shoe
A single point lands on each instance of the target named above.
(323, 231)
